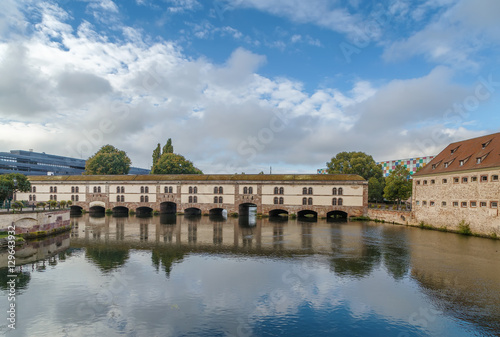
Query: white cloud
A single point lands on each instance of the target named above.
(70, 92)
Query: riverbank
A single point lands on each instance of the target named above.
(405, 218)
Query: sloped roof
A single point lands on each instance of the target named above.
(204, 177)
(463, 156)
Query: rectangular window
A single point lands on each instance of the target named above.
(456, 180)
(418, 182)
(473, 179)
(424, 203)
(432, 203)
(464, 203)
(464, 180)
(494, 204)
(445, 181)
(443, 203)
(473, 204)
(482, 203)
(455, 203)
(484, 179)
(425, 182)
(417, 202)
(494, 177)
(433, 182)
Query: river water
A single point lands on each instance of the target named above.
(211, 276)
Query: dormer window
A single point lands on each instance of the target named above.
(479, 160)
(462, 162)
(436, 165)
(485, 144)
(447, 164)
(454, 150)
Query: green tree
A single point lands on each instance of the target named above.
(168, 148)
(171, 163)
(41, 204)
(376, 189)
(156, 154)
(398, 185)
(361, 164)
(12, 183)
(62, 203)
(17, 205)
(108, 160)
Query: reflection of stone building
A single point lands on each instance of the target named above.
(462, 276)
(461, 183)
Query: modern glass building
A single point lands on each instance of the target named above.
(36, 163)
(412, 164)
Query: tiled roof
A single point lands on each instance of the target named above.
(472, 154)
(204, 177)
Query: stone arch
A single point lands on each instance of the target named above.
(75, 210)
(168, 207)
(244, 208)
(307, 215)
(192, 211)
(97, 210)
(278, 213)
(120, 211)
(216, 212)
(337, 216)
(144, 211)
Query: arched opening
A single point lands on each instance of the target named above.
(97, 211)
(216, 212)
(192, 211)
(247, 209)
(120, 211)
(168, 207)
(278, 213)
(144, 211)
(75, 210)
(307, 215)
(337, 216)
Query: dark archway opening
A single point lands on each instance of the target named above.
(75, 211)
(97, 211)
(120, 211)
(307, 215)
(192, 212)
(247, 209)
(337, 216)
(217, 214)
(168, 208)
(144, 212)
(278, 214)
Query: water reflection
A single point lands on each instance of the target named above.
(200, 275)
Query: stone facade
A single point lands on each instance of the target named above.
(461, 184)
(445, 200)
(206, 193)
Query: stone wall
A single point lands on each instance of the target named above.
(446, 200)
(399, 217)
(30, 222)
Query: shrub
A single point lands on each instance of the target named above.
(292, 216)
(464, 228)
(233, 215)
(155, 212)
(109, 211)
(379, 206)
(131, 212)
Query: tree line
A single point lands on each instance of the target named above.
(396, 187)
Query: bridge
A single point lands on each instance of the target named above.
(302, 195)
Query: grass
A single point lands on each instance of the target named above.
(464, 228)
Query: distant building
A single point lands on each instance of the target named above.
(412, 164)
(461, 184)
(35, 163)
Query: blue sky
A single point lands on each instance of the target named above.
(242, 85)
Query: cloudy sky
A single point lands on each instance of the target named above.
(242, 85)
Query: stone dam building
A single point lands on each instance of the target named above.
(461, 184)
(340, 195)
